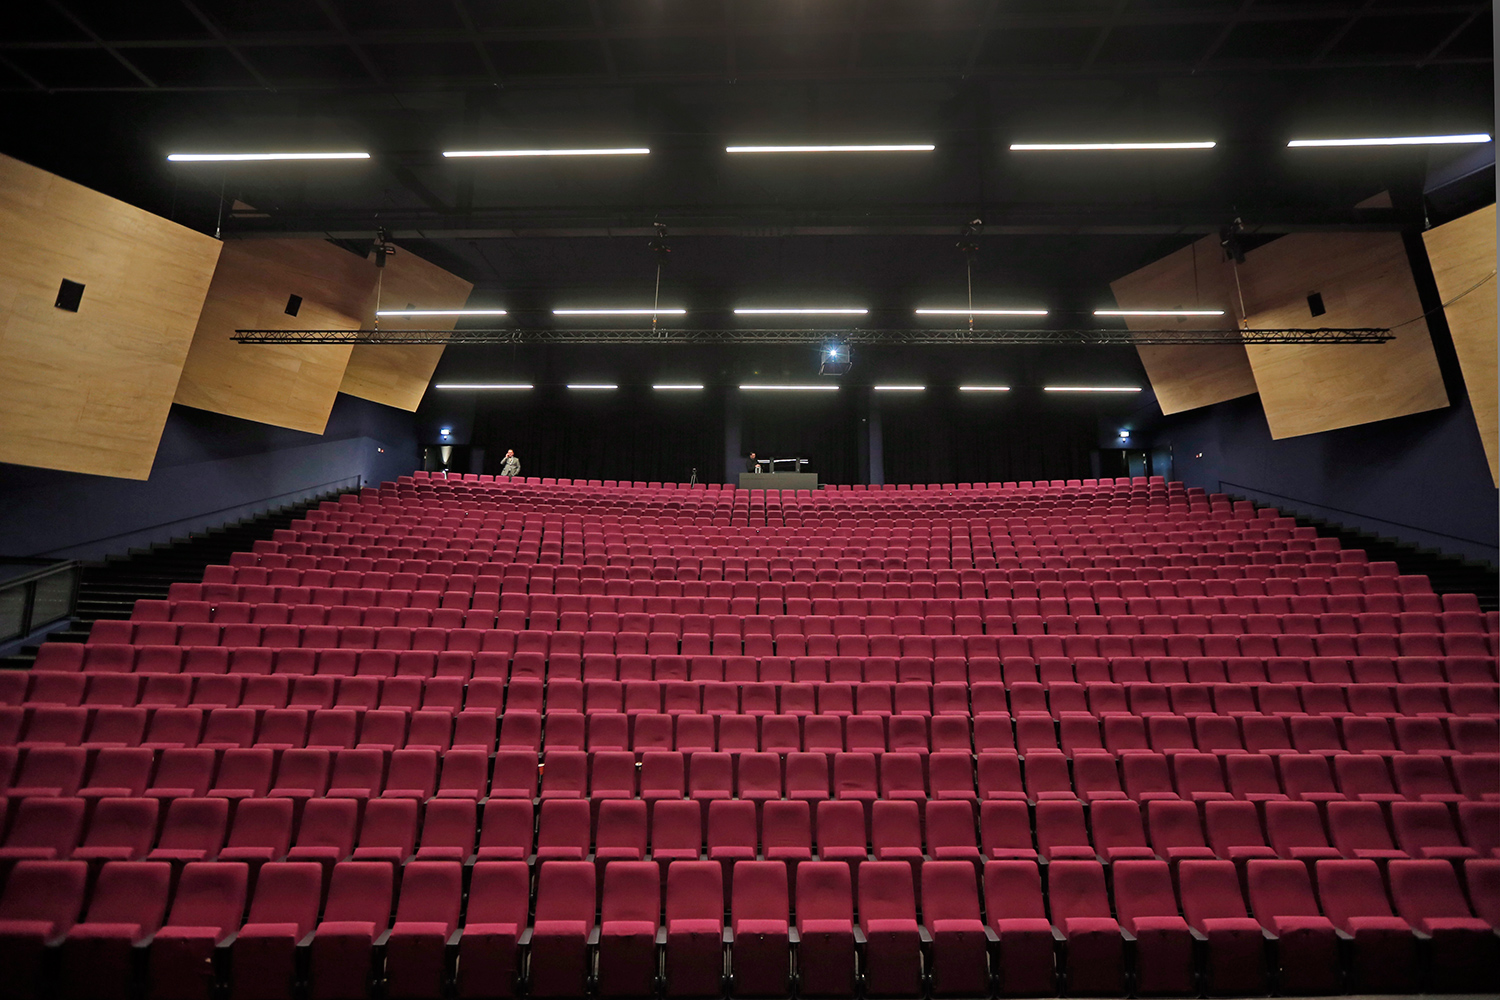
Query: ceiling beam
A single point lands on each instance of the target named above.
(1139, 16)
(111, 48)
(733, 73)
(472, 33)
(213, 28)
(859, 220)
(344, 35)
(1214, 46)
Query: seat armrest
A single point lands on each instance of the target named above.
(1129, 937)
(728, 935)
(455, 937)
(1196, 934)
(859, 936)
(385, 936)
(990, 935)
(792, 936)
(924, 934)
(229, 940)
(1058, 935)
(661, 935)
(593, 937)
(525, 939)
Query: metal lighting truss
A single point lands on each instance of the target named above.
(1075, 336)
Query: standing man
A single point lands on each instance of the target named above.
(511, 467)
(751, 465)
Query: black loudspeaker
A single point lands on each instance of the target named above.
(69, 294)
(293, 304)
(1315, 304)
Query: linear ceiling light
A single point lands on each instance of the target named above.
(440, 312)
(674, 386)
(482, 385)
(229, 157)
(981, 312)
(1091, 388)
(984, 388)
(619, 312)
(1037, 147)
(592, 385)
(899, 388)
(620, 151)
(801, 312)
(1158, 312)
(885, 148)
(1401, 140)
(790, 388)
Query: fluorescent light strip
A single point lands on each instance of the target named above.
(482, 385)
(800, 312)
(887, 148)
(984, 388)
(790, 388)
(232, 157)
(621, 151)
(619, 312)
(675, 386)
(441, 312)
(592, 385)
(1158, 312)
(1404, 140)
(899, 388)
(1037, 147)
(1091, 388)
(980, 312)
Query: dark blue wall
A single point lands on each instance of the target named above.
(1421, 478)
(209, 469)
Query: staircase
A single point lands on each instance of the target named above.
(109, 589)
(1449, 574)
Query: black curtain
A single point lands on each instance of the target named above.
(935, 437)
(630, 433)
(822, 427)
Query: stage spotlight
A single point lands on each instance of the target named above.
(837, 359)
(1124, 435)
(446, 432)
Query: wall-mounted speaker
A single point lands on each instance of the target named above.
(1315, 304)
(293, 304)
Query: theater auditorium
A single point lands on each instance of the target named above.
(748, 499)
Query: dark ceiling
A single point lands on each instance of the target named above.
(100, 91)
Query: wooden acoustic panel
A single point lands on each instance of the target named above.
(1365, 280)
(1187, 376)
(397, 375)
(287, 385)
(1463, 261)
(89, 391)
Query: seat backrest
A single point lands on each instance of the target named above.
(759, 891)
(1426, 890)
(262, 823)
(131, 892)
(632, 891)
(731, 823)
(211, 894)
(360, 891)
(499, 893)
(1076, 889)
(431, 892)
(195, 824)
(390, 823)
(949, 891)
(1349, 889)
(1358, 826)
(1143, 889)
(49, 892)
(329, 823)
(1483, 878)
(895, 824)
(288, 892)
(886, 892)
(840, 825)
(695, 891)
(565, 891)
(1173, 824)
(1280, 889)
(677, 824)
(1210, 891)
(824, 892)
(786, 823)
(124, 823)
(450, 823)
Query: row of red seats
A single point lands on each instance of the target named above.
(282, 823)
(343, 684)
(707, 774)
(572, 646)
(822, 928)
